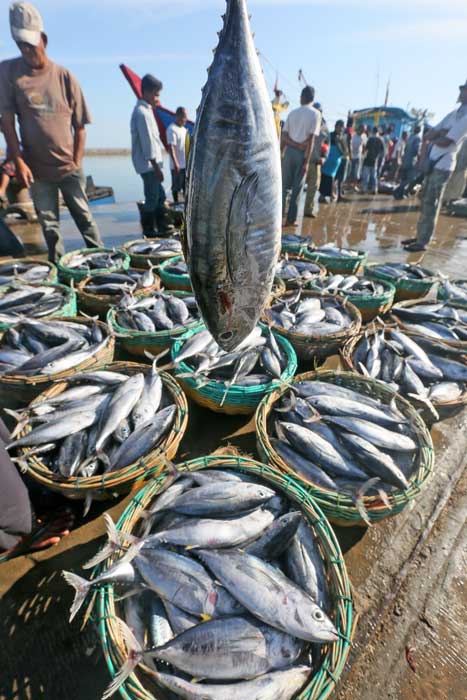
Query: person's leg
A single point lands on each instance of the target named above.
(151, 197)
(365, 178)
(311, 185)
(45, 198)
(298, 180)
(4, 182)
(374, 179)
(174, 185)
(456, 186)
(286, 177)
(73, 189)
(432, 197)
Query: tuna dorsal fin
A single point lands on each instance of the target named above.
(239, 219)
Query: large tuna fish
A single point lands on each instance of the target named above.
(233, 211)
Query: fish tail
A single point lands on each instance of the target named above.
(155, 358)
(113, 545)
(135, 655)
(87, 504)
(290, 407)
(81, 586)
(426, 402)
(17, 415)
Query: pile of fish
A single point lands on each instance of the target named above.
(350, 285)
(414, 366)
(230, 585)
(48, 347)
(294, 239)
(161, 248)
(402, 271)
(27, 301)
(334, 251)
(296, 271)
(308, 315)
(158, 312)
(26, 270)
(177, 268)
(440, 320)
(117, 283)
(341, 439)
(94, 260)
(104, 421)
(456, 291)
(256, 361)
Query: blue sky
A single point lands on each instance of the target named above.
(341, 45)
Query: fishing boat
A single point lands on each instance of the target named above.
(384, 117)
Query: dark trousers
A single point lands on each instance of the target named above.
(15, 507)
(154, 194)
(178, 183)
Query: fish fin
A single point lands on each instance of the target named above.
(81, 586)
(17, 415)
(22, 464)
(290, 407)
(427, 403)
(87, 504)
(135, 655)
(128, 594)
(363, 369)
(238, 219)
(104, 459)
(155, 358)
(112, 546)
(205, 617)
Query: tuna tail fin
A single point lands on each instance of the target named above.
(81, 586)
(290, 407)
(135, 655)
(112, 546)
(426, 402)
(155, 358)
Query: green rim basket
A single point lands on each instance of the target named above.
(99, 304)
(405, 289)
(17, 391)
(371, 305)
(340, 265)
(239, 399)
(443, 295)
(309, 347)
(105, 486)
(457, 344)
(140, 684)
(339, 507)
(294, 283)
(443, 408)
(170, 280)
(138, 342)
(296, 248)
(52, 275)
(67, 273)
(68, 309)
(142, 261)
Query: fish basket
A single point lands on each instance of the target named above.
(140, 261)
(296, 248)
(68, 309)
(405, 289)
(308, 347)
(239, 400)
(294, 284)
(457, 344)
(104, 486)
(443, 408)
(99, 304)
(369, 305)
(17, 391)
(68, 273)
(443, 295)
(139, 342)
(278, 287)
(140, 685)
(172, 281)
(339, 507)
(52, 275)
(344, 265)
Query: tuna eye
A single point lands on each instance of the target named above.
(318, 615)
(226, 336)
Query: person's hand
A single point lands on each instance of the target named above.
(159, 174)
(24, 173)
(176, 167)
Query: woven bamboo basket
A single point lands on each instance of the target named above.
(443, 408)
(141, 261)
(51, 276)
(371, 305)
(239, 400)
(140, 685)
(278, 287)
(170, 280)
(17, 391)
(309, 347)
(105, 486)
(99, 304)
(443, 295)
(457, 344)
(339, 507)
(296, 284)
(345, 265)
(405, 289)
(296, 248)
(138, 342)
(67, 273)
(68, 309)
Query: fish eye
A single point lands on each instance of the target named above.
(318, 615)
(227, 335)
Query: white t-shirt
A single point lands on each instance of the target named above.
(176, 136)
(356, 145)
(456, 123)
(302, 123)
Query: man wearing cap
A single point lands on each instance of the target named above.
(52, 115)
(444, 141)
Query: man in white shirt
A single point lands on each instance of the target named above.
(298, 135)
(446, 140)
(147, 155)
(176, 138)
(357, 144)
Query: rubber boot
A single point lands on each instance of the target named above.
(147, 224)
(164, 227)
